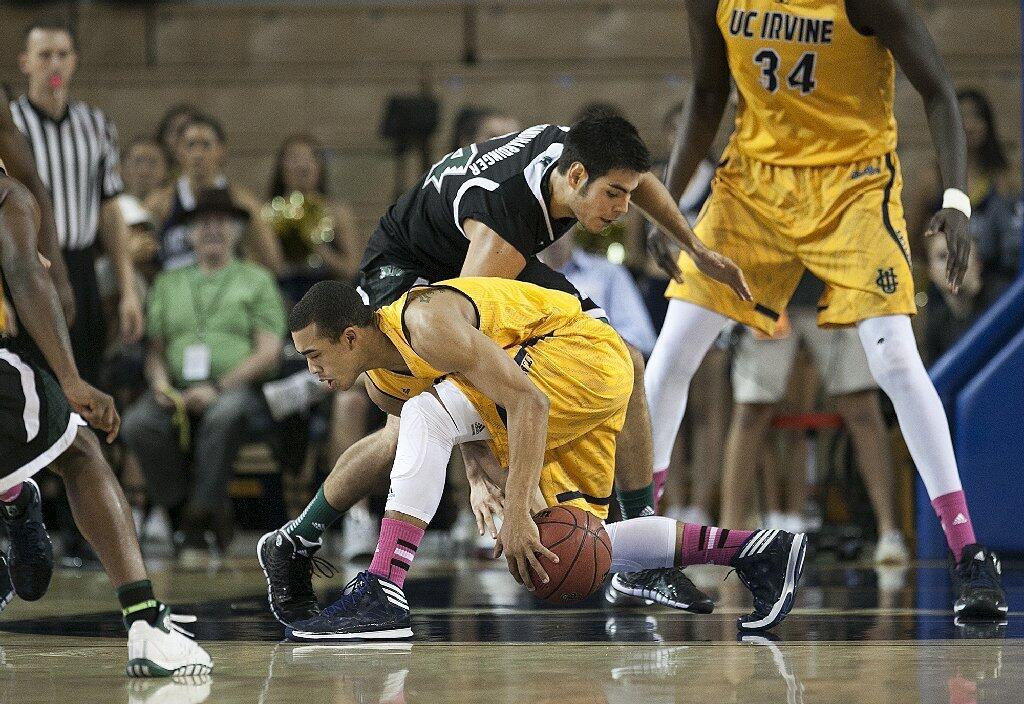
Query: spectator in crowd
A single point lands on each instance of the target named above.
(761, 372)
(948, 315)
(990, 185)
(144, 168)
(475, 124)
(74, 147)
(215, 331)
(170, 133)
(203, 154)
(317, 233)
(609, 285)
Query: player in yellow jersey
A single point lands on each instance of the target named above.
(544, 388)
(810, 179)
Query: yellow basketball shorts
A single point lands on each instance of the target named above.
(844, 223)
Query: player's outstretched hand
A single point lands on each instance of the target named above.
(953, 223)
(95, 406)
(519, 539)
(720, 268)
(665, 252)
(488, 503)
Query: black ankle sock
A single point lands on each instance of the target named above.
(13, 509)
(138, 602)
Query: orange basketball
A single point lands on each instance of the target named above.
(584, 551)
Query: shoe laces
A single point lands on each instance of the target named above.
(351, 595)
(174, 619)
(301, 567)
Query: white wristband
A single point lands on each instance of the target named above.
(955, 198)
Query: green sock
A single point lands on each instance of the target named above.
(636, 503)
(314, 520)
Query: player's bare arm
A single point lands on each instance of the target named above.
(389, 404)
(705, 105)
(17, 157)
(489, 253)
(902, 32)
(464, 350)
(655, 201)
(35, 300)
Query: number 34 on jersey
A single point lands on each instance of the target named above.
(771, 27)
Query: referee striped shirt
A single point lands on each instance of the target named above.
(77, 158)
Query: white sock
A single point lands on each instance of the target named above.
(642, 543)
(897, 367)
(687, 335)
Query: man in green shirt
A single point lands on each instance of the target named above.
(215, 332)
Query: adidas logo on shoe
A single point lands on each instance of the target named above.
(959, 520)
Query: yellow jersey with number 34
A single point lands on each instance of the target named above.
(813, 91)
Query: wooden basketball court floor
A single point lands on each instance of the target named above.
(857, 635)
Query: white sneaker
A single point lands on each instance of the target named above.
(180, 690)
(360, 534)
(694, 514)
(891, 550)
(166, 649)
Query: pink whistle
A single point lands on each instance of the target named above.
(56, 81)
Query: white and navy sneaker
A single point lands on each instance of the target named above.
(370, 608)
(977, 579)
(288, 566)
(769, 564)
(166, 649)
(30, 556)
(666, 586)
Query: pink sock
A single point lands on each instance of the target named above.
(709, 545)
(956, 521)
(396, 549)
(659, 477)
(11, 494)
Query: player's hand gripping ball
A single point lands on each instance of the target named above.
(584, 552)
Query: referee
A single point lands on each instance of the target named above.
(74, 147)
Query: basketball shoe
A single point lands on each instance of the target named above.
(370, 607)
(769, 564)
(289, 569)
(667, 586)
(977, 580)
(6, 588)
(30, 556)
(166, 649)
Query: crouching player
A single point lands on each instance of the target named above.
(546, 386)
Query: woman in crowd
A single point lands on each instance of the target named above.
(317, 234)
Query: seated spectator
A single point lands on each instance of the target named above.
(215, 331)
(761, 373)
(609, 285)
(170, 133)
(203, 153)
(948, 315)
(475, 124)
(317, 234)
(989, 187)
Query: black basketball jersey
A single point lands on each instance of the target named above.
(502, 183)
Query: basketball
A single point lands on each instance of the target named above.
(584, 551)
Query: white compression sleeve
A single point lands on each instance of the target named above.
(425, 441)
(897, 367)
(642, 543)
(687, 335)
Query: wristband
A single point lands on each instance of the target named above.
(955, 198)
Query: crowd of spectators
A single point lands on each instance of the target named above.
(218, 267)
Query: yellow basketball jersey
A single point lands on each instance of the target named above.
(511, 313)
(813, 91)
